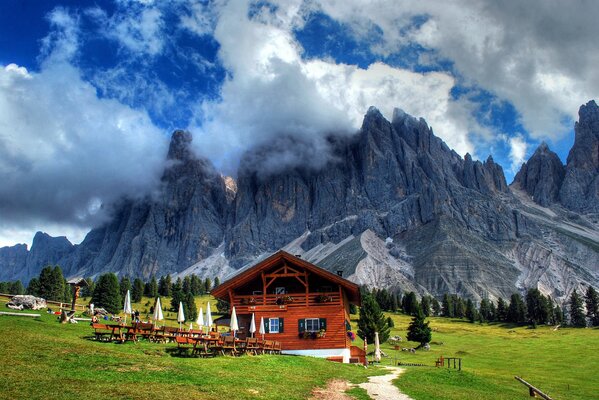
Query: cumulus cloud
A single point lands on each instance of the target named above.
(540, 56)
(518, 148)
(272, 92)
(64, 151)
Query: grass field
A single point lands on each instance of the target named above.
(43, 359)
(562, 363)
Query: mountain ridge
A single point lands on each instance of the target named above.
(393, 207)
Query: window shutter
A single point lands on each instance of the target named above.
(266, 325)
(301, 325)
(280, 325)
(323, 323)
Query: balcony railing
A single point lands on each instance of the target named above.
(285, 301)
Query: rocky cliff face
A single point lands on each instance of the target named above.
(392, 207)
(580, 190)
(541, 176)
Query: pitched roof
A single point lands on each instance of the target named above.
(245, 276)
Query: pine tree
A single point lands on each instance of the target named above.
(592, 302)
(448, 309)
(436, 307)
(197, 286)
(536, 307)
(425, 305)
(164, 286)
(485, 310)
(187, 285)
(137, 291)
(558, 315)
(577, 318)
(33, 288)
(418, 330)
(353, 309)
(390, 322)
(107, 293)
(67, 292)
(151, 288)
(178, 297)
(501, 310)
(460, 307)
(516, 312)
(216, 281)
(16, 287)
(207, 285)
(410, 304)
(189, 308)
(394, 303)
(88, 291)
(124, 285)
(372, 320)
(471, 312)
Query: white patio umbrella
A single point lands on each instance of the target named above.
(262, 331)
(200, 320)
(180, 315)
(377, 348)
(91, 309)
(191, 326)
(252, 326)
(127, 306)
(234, 325)
(158, 316)
(208, 317)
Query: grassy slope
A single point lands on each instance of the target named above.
(562, 363)
(45, 360)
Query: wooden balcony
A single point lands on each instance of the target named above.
(250, 303)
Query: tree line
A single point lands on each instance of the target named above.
(533, 309)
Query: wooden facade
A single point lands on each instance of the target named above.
(310, 304)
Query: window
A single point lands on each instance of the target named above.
(280, 290)
(273, 325)
(312, 324)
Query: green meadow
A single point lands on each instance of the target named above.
(43, 359)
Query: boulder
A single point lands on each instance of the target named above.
(26, 302)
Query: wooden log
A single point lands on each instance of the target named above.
(14, 314)
(533, 390)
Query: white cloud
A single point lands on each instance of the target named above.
(63, 150)
(518, 148)
(540, 56)
(271, 91)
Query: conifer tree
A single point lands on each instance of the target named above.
(471, 312)
(410, 303)
(418, 330)
(372, 320)
(189, 307)
(390, 322)
(33, 288)
(207, 285)
(448, 309)
(592, 302)
(558, 315)
(485, 310)
(577, 318)
(502, 309)
(187, 285)
(460, 307)
(107, 293)
(151, 288)
(137, 290)
(16, 287)
(425, 305)
(436, 307)
(516, 312)
(197, 287)
(536, 307)
(124, 285)
(216, 281)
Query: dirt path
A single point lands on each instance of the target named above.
(377, 387)
(382, 387)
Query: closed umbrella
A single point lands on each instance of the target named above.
(234, 325)
(127, 306)
(252, 326)
(208, 317)
(180, 315)
(191, 326)
(200, 320)
(262, 331)
(377, 348)
(158, 316)
(91, 309)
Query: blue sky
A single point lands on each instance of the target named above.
(90, 91)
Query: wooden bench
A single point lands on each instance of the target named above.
(107, 333)
(184, 344)
(228, 346)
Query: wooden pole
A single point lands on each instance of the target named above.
(533, 390)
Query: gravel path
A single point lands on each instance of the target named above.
(382, 388)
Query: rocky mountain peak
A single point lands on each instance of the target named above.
(180, 146)
(541, 176)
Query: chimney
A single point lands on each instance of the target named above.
(298, 255)
(340, 272)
